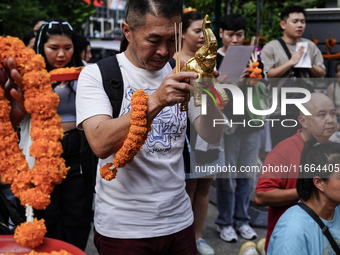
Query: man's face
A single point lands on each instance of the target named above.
(323, 122)
(294, 26)
(230, 37)
(151, 46)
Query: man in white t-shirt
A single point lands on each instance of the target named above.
(146, 209)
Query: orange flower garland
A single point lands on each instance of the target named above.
(66, 70)
(30, 235)
(136, 137)
(330, 56)
(330, 43)
(255, 73)
(61, 252)
(31, 186)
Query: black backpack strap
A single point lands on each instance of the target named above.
(112, 82)
(172, 63)
(323, 227)
(284, 46)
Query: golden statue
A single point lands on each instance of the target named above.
(203, 63)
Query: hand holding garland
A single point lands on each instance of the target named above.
(31, 186)
(11, 82)
(106, 135)
(139, 124)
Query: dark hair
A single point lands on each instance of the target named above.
(123, 44)
(36, 21)
(190, 17)
(28, 36)
(324, 156)
(233, 22)
(82, 43)
(57, 27)
(138, 9)
(291, 9)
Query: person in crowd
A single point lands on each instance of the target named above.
(297, 232)
(145, 209)
(69, 215)
(196, 186)
(277, 189)
(241, 149)
(232, 33)
(29, 38)
(278, 65)
(333, 91)
(36, 23)
(84, 48)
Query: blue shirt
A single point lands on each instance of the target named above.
(297, 232)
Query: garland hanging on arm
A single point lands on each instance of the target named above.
(32, 186)
(136, 137)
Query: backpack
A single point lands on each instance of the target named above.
(114, 87)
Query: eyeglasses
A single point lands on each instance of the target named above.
(50, 24)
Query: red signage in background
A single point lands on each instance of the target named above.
(98, 3)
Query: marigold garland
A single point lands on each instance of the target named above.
(30, 234)
(61, 252)
(330, 56)
(66, 70)
(330, 43)
(255, 73)
(136, 137)
(31, 186)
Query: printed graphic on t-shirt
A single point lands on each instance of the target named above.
(167, 128)
(329, 250)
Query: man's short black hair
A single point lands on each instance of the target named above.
(233, 22)
(291, 9)
(138, 9)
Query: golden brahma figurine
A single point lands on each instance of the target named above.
(203, 63)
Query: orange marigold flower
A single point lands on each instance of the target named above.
(66, 70)
(30, 234)
(108, 174)
(139, 108)
(140, 123)
(137, 130)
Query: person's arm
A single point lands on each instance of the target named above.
(316, 71)
(331, 96)
(279, 71)
(271, 186)
(204, 125)
(276, 197)
(330, 91)
(13, 90)
(106, 135)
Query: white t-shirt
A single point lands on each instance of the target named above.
(148, 197)
(25, 140)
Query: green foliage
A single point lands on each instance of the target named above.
(17, 15)
(205, 6)
(269, 15)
